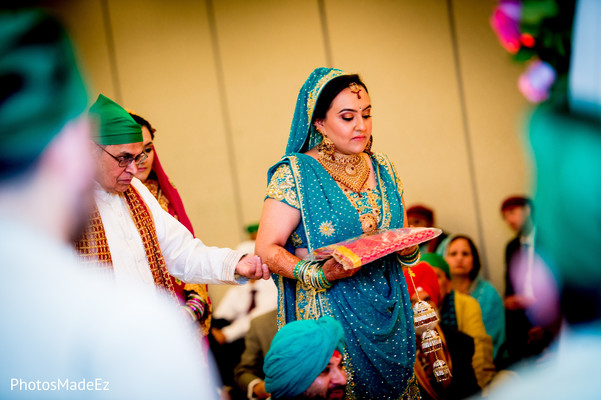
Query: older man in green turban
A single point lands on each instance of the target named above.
(129, 232)
(305, 361)
(68, 331)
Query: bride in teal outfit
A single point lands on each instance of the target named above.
(330, 187)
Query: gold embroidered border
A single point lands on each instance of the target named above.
(144, 223)
(93, 247)
(314, 93)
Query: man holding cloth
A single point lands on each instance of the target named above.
(130, 233)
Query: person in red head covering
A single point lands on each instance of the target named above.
(194, 298)
(457, 348)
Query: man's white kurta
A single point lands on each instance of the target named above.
(187, 258)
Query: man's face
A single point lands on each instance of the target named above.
(516, 217)
(109, 174)
(330, 383)
(422, 295)
(444, 282)
(418, 221)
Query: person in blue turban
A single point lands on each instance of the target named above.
(305, 361)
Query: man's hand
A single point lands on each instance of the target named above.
(218, 335)
(259, 390)
(407, 251)
(518, 302)
(250, 266)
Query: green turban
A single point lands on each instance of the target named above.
(116, 125)
(299, 352)
(41, 88)
(435, 260)
(252, 228)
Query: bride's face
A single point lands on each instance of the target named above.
(348, 121)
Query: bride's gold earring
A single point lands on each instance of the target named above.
(326, 147)
(368, 147)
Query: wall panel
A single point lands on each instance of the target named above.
(167, 73)
(268, 48)
(403, 50)
(495, 109)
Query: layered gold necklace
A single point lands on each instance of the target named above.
(350, 170)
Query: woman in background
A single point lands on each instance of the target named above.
(464, 262)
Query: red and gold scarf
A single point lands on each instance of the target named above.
(93, 246)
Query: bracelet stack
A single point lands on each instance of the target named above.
(310, 273)
(196, 305)
(410, 259)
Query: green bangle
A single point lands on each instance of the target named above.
(325, 284)
(411, 259)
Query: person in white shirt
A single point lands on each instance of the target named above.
(231, 322)
(131, 234)
(68, 332)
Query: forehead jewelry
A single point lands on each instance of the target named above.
(355, 89)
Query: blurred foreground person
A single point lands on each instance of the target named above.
(67, 333)
(305, 361)
(566, 144)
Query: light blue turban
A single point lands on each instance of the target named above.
(299, 352)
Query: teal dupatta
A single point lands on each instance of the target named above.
(373, 305)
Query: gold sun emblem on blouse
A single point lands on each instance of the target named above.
(326, 228)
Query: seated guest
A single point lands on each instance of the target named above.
(462, 312)
(193, 297)
(248, 374)
(464, 263)
(457, 347)
(421, 216)
(231, 322)
(305, 361)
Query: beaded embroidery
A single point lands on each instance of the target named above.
(282, 187)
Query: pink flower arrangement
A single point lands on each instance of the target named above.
(537, 32)
(535, 83)
(505, 21)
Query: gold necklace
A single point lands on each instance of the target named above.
(350, 170)
(369, 221)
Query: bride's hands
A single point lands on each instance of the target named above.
(333, 270)
(407, 251)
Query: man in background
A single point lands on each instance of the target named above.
(523, 338)
(420, 216)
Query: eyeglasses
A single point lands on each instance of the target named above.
(124, 161)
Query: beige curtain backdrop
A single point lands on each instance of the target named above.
(219, 78)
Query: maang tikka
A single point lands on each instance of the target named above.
(355, 89)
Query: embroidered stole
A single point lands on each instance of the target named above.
(93, 246)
